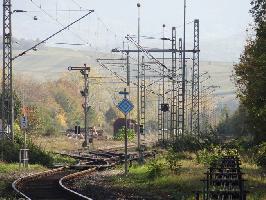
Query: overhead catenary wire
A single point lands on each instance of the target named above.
(56, 20)
(74, 10)
(39, 6)
(75, 2)
(109, 30)
(43, 41)
(147, 66)
(121, 78)
(146, 52)
(150, 56)
(60, 10)
(99, 19)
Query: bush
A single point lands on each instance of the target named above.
(173, 160)
(10, 152)
(59, 159)
(245, 147)
(261, 156)
(121, 134)
(190, 142)
(49, 131)
(37, 155)
(186, 143)
(214, 153)
(155, 168)
(242, 144)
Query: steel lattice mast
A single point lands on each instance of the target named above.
(142, 96)
(160, 118)
(163, 92)
(195, 125)
(7, 89)
(161, 101)
(182, 90)
(180, 116)
(174, 87)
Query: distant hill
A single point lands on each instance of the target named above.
(22, 44)
(221, 75)
(49, 63)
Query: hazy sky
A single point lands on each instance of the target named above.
(222, 23)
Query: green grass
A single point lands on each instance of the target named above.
(255, 183)
(65, 160)
(14, 168)
(9, 173)
(181, 185)
(168, 185)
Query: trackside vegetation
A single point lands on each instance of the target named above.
(176, 177)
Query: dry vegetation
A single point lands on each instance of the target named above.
(64, 143)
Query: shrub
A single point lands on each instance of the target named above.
(37, 155)
(242, 144)
(155, 168)
(173, 160)
(214, 153)
(261, 156)
(10, 152)
(50, 131)
(59, 159)
(245, 147)
(190, 142)
(121, 134)
(186, 143)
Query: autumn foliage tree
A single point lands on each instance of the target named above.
(250, 74)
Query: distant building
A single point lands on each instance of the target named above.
(120, 122)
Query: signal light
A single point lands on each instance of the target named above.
(164, 107)
(77, 129)
(141, 128)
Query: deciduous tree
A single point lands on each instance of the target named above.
(250, 73)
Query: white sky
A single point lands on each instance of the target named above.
(222, 23)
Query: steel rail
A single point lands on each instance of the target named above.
(19, 181)
(97, 164)
(19, 185)
(75, 175)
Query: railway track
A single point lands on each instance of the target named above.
(47, 187)
(50, 184)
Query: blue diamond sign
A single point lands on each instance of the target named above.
(125, 106)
